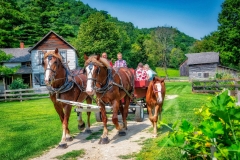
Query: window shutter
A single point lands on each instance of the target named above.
(37, 79)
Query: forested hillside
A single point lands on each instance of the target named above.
(91, 32)
(226, 39)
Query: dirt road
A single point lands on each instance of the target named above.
(136, 134)
(126, 145)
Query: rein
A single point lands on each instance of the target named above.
(68, 84)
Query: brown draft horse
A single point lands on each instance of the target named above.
(154, 99)
(110, 87)
(67, 85)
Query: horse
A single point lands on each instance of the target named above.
(68, 85)
(154, 99)
(110, 87)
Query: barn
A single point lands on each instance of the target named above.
(50, 41)
(205, 65)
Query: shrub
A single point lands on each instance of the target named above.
(218, 134)
(18, 84)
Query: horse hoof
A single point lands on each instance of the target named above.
(122, 133)
(88, 131)
(62, 146)
(103, 140)
(69, 139)
(81, 127)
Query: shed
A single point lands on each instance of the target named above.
(184, 71)
(205, 65)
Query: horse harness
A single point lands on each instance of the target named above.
(109, 82)
(69, 80)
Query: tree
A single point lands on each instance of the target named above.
(207, 44)
(176, 57)
(229, 31)
(5, 71)
(10, 24)
(159, 46)
(97, 35)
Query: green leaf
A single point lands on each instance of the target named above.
(186, 126)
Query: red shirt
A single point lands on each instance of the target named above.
(141, 74)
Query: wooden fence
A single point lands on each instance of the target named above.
(212, 86)
(24, 94)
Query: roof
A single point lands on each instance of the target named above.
(24, 70)
(202, 58)
(46, 37)
(19, 54)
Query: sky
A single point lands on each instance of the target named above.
(196, 18)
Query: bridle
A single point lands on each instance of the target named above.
(108, 79)
(52, 77)
(156, 91)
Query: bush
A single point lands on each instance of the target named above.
(18, 84)
(217, 135)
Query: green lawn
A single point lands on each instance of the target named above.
(171, 72)
(30, 127)
(179, 108)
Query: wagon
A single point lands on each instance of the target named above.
(136, 106)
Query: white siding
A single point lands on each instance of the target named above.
(71, 56)
(38, 69)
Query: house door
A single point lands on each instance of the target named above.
(27, 79)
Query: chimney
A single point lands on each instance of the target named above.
(21, 45)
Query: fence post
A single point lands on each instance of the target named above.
(20, 95)
(5, 96)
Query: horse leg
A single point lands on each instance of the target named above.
(104, 138)
(125, 112)
(150, 113)
(59, 110)
(88, 130)
(116, 105)
(66, 133)
(155, 120)
(81, 124)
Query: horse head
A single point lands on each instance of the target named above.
(158, 89)
(96, 70)
(51, 62)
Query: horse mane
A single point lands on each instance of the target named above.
(101, 62)
(53, 54)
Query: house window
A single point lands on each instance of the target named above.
(39, 79)
(206, 75)
(40, 57)
(64, 55)
(199, 74)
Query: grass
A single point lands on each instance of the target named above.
(176, 109)
(171, 72)
(73, 155)
(30, 127)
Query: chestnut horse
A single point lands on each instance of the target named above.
(154, 99)
(67, 85)
(110, 87)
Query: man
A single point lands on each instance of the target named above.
(120, 62)
(104, 55)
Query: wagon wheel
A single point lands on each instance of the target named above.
(98, 116)
(139, 113)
